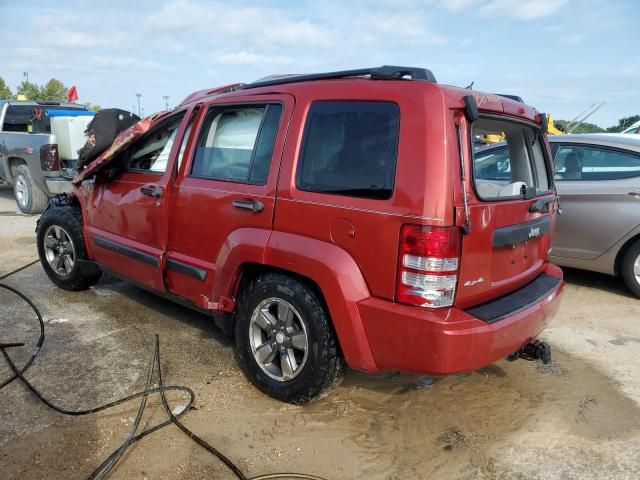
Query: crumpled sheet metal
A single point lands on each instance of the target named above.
(122, 141)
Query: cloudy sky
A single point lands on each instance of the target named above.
(561, 56)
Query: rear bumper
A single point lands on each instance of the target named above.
(451, 340)
(58, 185)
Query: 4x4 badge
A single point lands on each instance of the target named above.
(471, 283)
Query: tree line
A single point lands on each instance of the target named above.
(52, 91)
(55, 91)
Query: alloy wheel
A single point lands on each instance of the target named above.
(59, 250)
(636, 269)
(278, 339)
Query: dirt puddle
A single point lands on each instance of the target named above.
(388, 426)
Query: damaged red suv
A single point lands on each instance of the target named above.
(328, 220)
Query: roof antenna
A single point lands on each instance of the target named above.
(470, 86)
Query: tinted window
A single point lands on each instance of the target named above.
(31, 118)
(350, 148)
(18, 118)
(506, 171)
(151, 153)
(574, 162)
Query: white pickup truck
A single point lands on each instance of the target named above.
(37, 152)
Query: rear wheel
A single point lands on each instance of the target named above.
(29, 196)
(61, 249)
(631, 268)
(284, 339)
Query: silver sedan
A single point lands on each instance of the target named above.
(598, 179)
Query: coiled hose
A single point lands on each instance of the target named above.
(107, 466)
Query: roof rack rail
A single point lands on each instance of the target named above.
(511, 97)
(386, 72)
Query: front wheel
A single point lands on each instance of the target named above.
(631, 268)
(284, 339)
(61, 249)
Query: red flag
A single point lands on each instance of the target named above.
(72, 94)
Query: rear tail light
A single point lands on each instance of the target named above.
(49, 160)
(428, 265)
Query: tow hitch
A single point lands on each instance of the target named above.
(533, 351)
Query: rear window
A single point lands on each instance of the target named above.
(31, 118)
(508, 172)
(350, 148)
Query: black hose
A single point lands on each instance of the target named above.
(107, 466)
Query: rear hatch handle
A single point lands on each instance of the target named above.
(544, 205)
(541, 206)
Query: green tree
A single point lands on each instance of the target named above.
(623, 123)
(582, 128)
(53, 91)
(93, 107)
(5, 91)
(29, 90)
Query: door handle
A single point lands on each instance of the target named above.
(635, 193)
(253, 205)
(154, 191)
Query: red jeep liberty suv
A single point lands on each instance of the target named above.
(328, 220)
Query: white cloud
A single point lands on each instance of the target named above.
(249, 58)
(450, 5)
(255, 25)
(411, 29)
(522, 9)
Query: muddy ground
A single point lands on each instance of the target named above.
(578, 418)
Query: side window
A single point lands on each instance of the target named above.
(350, 148)
(151, 153)
(236, 143)
(579, 163)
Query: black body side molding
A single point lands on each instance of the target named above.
(126, 251)
(188, 270)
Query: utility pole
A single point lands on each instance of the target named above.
(26, 74)
(139, 110)
(166, 102)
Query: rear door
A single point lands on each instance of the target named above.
(600, 192)
(510, 205)
(225, 193)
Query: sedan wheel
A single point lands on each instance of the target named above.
(59, 250)
(631, 268)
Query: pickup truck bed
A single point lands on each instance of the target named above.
(29, 157)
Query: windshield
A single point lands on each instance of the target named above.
(517, 168)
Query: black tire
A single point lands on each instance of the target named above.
(323, 367)
(30, 198)
(69, 219)
(631, 278)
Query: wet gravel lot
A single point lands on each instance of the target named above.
(578, 418)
